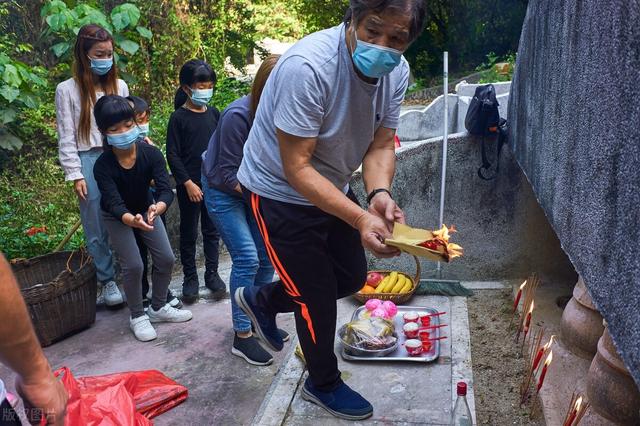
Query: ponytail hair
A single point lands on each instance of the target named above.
(193, 71)
(260, 80)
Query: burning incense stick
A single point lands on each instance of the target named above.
(536, 347)
(577, 409)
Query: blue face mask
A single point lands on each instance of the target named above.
(375, 61)
(124, 140)
(144, 129)
(101, 66)
(201, 97)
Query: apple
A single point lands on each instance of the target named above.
(374, 278)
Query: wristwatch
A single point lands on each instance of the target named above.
(375, 192)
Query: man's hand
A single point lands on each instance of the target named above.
(193, 191)
(80, 187)
(384, 207)
(373, 231)
(43, 398)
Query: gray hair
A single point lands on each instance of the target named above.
(416, 9)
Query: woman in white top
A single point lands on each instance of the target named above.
(80, 142)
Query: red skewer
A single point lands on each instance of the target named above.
(435, 314)
(431, 327)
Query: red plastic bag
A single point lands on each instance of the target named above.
(121, 399)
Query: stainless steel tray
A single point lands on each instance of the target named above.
(400, 354)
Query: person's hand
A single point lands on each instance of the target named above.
(152, 212)
(373, 231)
(80, 186)
(43, 398)
(193, 191)
(383, 206)
(139, 222)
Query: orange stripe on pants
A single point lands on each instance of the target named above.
(290, 287)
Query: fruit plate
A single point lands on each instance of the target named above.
(400, 353)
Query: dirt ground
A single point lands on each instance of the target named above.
(498, 367)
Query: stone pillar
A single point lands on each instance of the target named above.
(581, 325)
(610, 388)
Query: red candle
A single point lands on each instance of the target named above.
(518, 295)
(528, 321)
(541, 352)
(574, 413)
(544, 371)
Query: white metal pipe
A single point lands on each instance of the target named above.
(445, 138)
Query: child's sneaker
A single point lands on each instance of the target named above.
(168, 314)
(172, 300)
(142, 328)
(249, 349)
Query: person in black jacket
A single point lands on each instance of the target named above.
(190, 127)
(124, 172)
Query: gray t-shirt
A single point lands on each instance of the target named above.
(314, 91)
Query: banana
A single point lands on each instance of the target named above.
(387, 288)
(384, 282)
(393, 279)
(401, 281)
(407, 286)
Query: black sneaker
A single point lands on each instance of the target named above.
(343, 402)
(214, 283)
(190, 288)
(146, 302)
(249, 349)
(283, 334)
(264, 324)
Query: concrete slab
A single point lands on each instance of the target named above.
(401, 393)
(223, 389)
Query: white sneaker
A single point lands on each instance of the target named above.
(169, 314)
(142, 328)
(111, 293)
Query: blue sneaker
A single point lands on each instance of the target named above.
(264, 324)
(343, 402)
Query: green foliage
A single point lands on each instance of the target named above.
(320, 14)
(64, 23)
(489, 71)
(228, 90)
(275, 19)
(36, 199)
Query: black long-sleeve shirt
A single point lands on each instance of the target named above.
(222, 159)
(127, 190)
(188, 134)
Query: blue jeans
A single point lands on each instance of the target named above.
(95, 233)
(240, 233)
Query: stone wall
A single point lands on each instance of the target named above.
(502, 228)
(575, 129)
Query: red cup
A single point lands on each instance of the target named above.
(411, 317)
(413, 346)
(425, 319)
(426, 346)
(424, 335)
(411, 330)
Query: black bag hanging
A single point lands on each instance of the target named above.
(483, 119)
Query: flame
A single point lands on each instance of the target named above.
(531, 309)
(523, 284)
(549, 343)
(578, 404)
(549, 359)
(443, 234)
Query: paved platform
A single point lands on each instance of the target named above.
(225, 390)
(401, 393)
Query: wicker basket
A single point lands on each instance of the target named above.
(60, 292)
(397, 298)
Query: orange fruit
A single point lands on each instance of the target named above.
(367, 289)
